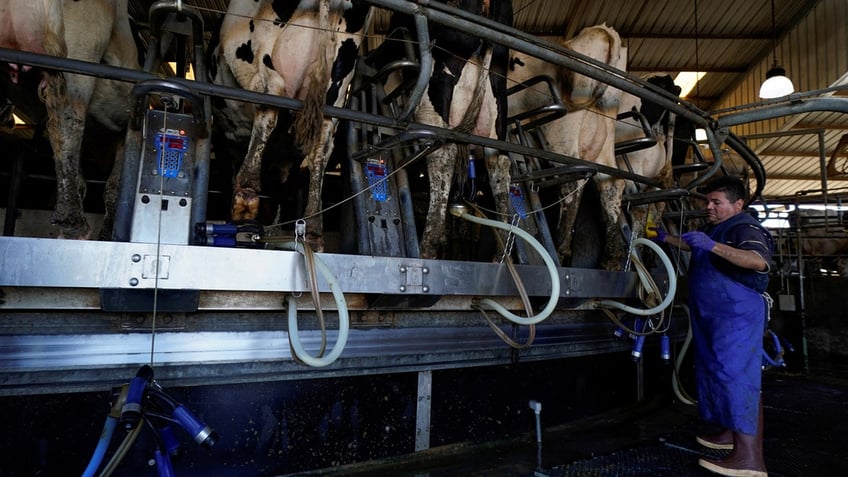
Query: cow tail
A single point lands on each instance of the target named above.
(469, 119)
(308, 123)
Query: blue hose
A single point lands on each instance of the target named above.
(102, 445)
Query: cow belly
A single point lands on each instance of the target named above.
(296, 54)
(31, 25)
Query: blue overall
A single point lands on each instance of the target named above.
(728, 321)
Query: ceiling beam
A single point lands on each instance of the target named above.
(763, 154)
(692, 36)
(666, 36)
(838, 127)
(803, 177)
(636, 67)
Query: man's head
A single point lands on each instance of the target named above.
(725, 198)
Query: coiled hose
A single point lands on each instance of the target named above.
(462, 212)
(672, 283)
(341, 304)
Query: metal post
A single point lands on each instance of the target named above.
(422, 419)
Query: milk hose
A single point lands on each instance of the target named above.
(675, 377)
(672, 283)
(119, 397)
(344, 321)
(121, 451)
(461, 212)
(102, 445)
(522, 292)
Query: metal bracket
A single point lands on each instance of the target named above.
(414, 279)
(151, 264)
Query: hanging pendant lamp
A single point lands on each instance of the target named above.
(777, 84)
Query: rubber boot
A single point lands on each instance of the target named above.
(719, 441)
(746, 460)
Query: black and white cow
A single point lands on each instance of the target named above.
(464, 93)
(303, 49)
(96, 31)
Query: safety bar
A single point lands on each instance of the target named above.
(543, 114)
(637, 144)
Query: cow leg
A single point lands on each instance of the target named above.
(440, 169)
(498, 166)
(248, 184)
(65, 125)
(571, 196)
(316, 161)
(111, 193)
(610, 191)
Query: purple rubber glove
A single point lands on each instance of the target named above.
(656, 234)
(698, 240)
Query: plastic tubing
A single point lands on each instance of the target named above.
(675, 376)
(102, 445)
(672, 284)
(461, 212)
(341, 304)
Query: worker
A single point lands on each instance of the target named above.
(728, 277)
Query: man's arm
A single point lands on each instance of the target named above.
(741, 258)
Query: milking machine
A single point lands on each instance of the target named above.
(165, 167)
(144, 403)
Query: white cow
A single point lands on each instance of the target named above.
(303, 49)
(586, 132)
(96, 31)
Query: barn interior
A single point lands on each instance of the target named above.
(417, 377)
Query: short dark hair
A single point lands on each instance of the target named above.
(732, 186)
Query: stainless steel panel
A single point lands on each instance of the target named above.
(33, 262)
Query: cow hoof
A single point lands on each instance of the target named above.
(78, 231)
(75, 233)
(245, 205)
(315, 242)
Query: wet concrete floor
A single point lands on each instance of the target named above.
(806, 434)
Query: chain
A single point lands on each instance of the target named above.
(510, 238)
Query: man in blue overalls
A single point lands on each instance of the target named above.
(728, 274)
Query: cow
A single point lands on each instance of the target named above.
(586, 131)
(655, 161)
(823, 242)
(304, 50)
(97, 31)
(465, 92)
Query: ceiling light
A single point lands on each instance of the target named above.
(687, 80)
(776, 84)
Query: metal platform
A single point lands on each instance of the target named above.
(79, 315)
